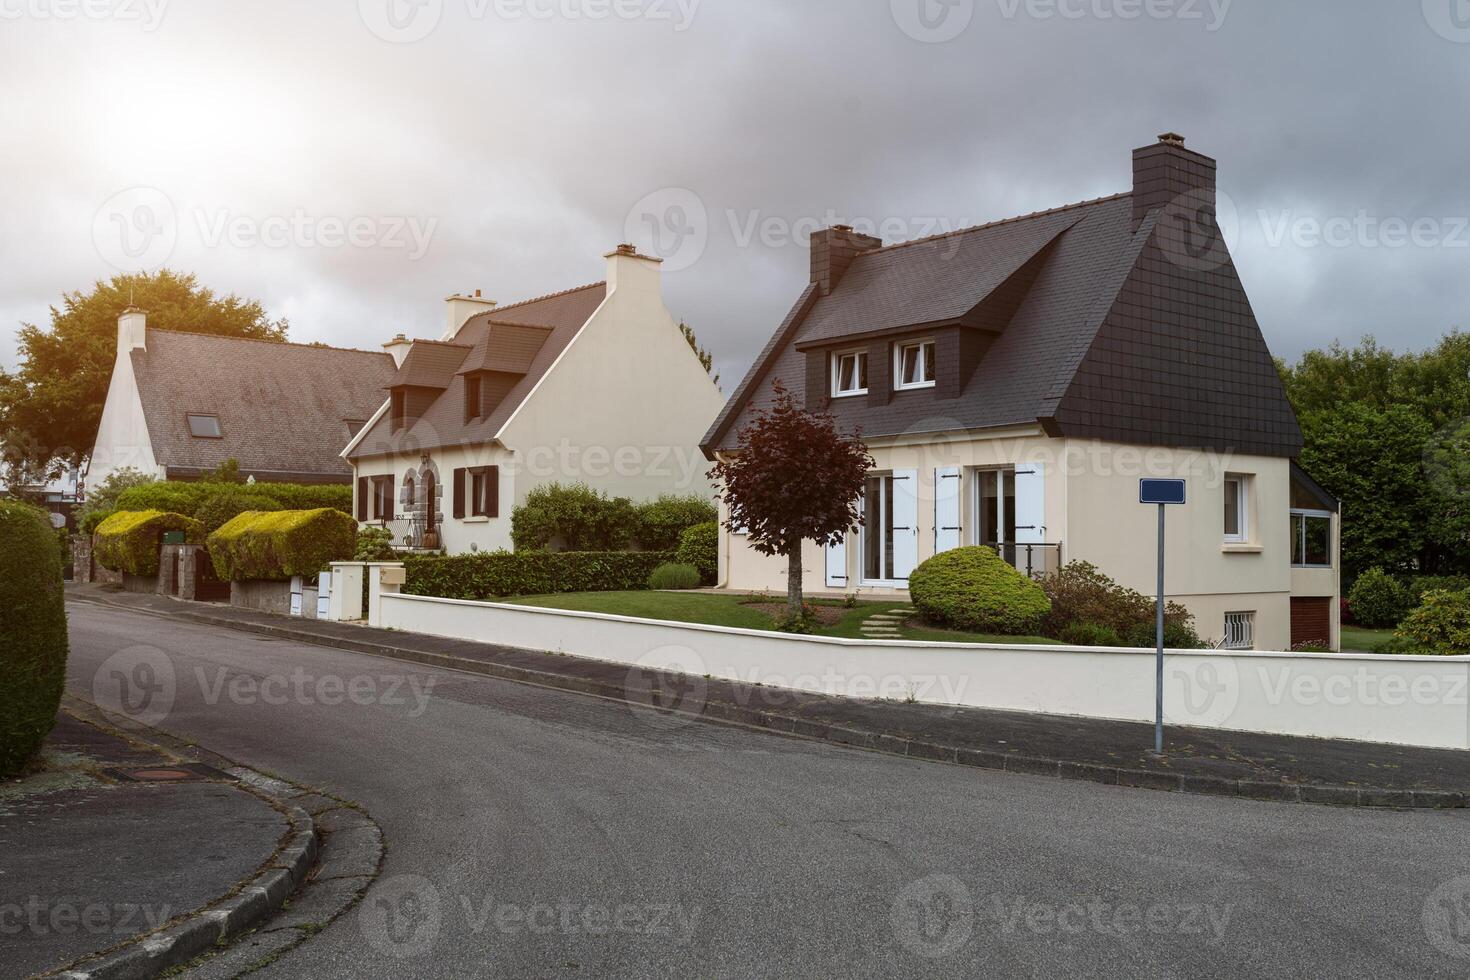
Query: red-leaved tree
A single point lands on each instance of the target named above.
(793, 477)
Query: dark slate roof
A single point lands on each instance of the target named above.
(430, 364)
(1070, 356)
(500, 336)
(283, 408)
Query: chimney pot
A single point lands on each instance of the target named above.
(833, 250)
(1166, 173)
(132, 330)
(1174, 139)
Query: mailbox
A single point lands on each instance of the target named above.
(393, 575)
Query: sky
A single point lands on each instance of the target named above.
(350, 163)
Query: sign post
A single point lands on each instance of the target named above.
(1164, 493)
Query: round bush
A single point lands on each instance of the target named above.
(1379, 600)
(218, 511)
(700, 546)
(32, 633)
(974, 589)
(674, 576)
(1441, 625)
(1091, 635)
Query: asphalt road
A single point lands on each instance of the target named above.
(534, 833)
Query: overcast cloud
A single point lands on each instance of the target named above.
(351, 163)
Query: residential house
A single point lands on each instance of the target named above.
(179, 404)
(1014, 381)
(595, 385)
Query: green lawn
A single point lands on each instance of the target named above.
(1359, 639)
(737, 611)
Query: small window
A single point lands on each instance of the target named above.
(485, 492)
(1237, 520)
(850, 374)
(915, 365)
(399, 409)
(1240, 631)
(1311, 538)
(382, 498)
(471, 398)
(204, 427)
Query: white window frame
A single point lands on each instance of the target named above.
(1299, 538)
(1243, 508)
(1240, 631)
(837, 357)
(379, 500)
(898, 352)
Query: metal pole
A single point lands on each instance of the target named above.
(1159, 648)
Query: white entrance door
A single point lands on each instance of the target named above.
(946, 509)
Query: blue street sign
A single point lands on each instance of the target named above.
(1161, 491)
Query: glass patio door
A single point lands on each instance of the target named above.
(890, 527)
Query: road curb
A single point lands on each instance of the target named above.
(765, 720)
(250, 905)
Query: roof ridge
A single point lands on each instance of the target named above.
(527, 302)
(273, 343)
(996, 224)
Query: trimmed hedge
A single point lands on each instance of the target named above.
(32, 633)
(129, 540)
(186, 498)
(498, 574)
(700, 546)
(662, 522)
(216, 512)
(283, 543)
(573, 517)
(975, 589)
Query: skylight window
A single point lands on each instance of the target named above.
(204, 426)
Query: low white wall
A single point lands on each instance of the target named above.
(1377, 698)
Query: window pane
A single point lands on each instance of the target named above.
(862, 362)
(928, 362)
(872, 515)
(1319, 541)
(989, 508)
(1296, 539)
(888, 527)
(1232, 508)
(204, 426)
(910, 365)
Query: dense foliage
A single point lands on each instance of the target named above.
(374, 544)
(793, 477)
(1379, 600)
(187, 497)
(662, 522)
(572, 517)
(281, 544)
(674, 576)
(218, 511)
(102, 499)
(1441, 625)
(490, 575)
(975, 589)
(50, 408)
(1081, 594)
(700, 546)
(1389, 433)
(33, 642)
(129, 540)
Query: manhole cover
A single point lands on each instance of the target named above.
(189, 772)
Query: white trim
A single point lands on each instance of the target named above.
(1243, 508)
(559, 357)
(382, 409)
(898, 348)
(834, 371)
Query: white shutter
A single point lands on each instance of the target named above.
(1030, 503)
(837, 565)
(946, 509)
(905, 522)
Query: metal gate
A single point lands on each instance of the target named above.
(207, 585)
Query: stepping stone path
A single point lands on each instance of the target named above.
(885, 625)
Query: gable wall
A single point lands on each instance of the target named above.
(122, 435)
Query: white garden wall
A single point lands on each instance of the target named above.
(1378, 698)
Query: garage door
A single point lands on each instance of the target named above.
(1311, 621)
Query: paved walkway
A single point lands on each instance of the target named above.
(1049, 744)
(886, 625)
(92, 860)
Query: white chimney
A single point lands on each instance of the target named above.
(132, 330)
(398, 347)
(626, 269)
(461, 308)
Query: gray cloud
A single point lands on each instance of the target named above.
(524, 143)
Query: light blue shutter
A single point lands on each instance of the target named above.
(946, 509)
(1030, 503)
(905, 522)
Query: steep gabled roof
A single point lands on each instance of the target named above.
(503, 342)
(283, 409)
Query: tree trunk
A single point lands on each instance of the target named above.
(793, 583)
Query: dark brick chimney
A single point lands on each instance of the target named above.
(1167, 171)
(833, 250)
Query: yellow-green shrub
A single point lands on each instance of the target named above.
(974, 589)
(283, 543)
(129, 540)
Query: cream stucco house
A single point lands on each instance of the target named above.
(594, 385)
(1016, 380)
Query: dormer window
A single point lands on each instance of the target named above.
(850, 373)
(204, 427)
(471, 398)
(399, 408)
(914, 365)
